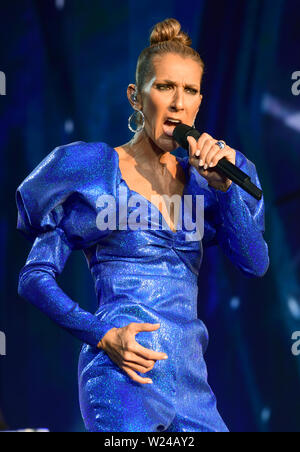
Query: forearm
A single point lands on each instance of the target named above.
(240, 234)
(37, 284)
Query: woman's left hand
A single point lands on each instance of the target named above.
(210, 154)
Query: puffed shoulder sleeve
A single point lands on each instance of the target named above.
(235, 221)
(62, 192)
(57, 212)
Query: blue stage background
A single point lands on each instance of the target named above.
(67, 66)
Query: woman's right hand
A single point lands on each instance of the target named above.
(127, 353)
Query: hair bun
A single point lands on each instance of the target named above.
(169, 30)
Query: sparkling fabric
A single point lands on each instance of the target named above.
(143, 275)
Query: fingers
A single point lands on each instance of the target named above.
(203, 145)
(192, 146)
(132, 362)
(146, 353)
(127, 362)
(139, 349)
(143, 369)
(137, 327)
(198, 144)
(206, 153)
(131, 356)
(213, 157)
(135, 377)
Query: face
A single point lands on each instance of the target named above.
(172, 93)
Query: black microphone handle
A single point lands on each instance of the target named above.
(225, 167)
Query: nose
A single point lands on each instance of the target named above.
(178, 100)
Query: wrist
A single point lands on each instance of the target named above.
(223, 188)
(101, 344)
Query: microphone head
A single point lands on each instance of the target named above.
(181, 132)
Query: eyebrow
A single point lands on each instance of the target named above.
(186, 86)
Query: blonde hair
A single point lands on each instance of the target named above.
(166, 37)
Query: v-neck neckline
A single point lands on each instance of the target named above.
(179, 160)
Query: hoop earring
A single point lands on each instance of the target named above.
(139, 122)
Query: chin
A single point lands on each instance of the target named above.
(168, 144)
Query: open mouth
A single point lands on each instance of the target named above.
(169, 126)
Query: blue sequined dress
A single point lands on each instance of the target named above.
(140, 275)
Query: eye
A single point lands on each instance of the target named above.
(192, 90)
(166, 86)
(163, 86)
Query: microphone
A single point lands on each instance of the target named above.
(232, 172)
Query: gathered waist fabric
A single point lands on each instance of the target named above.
(142, 294)
(148, 294)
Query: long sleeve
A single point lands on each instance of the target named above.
(235, 221)
(37, 284)
(57, 222)
(240, 232)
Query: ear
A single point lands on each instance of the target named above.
(201, 97)
(132, 96)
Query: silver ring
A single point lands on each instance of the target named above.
(221, 144)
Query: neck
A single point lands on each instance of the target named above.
(145, 151)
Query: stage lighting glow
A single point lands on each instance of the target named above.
(265, 414)
(69, 126)
(294, 307)
(235, 303)
(293, 121)
(275, 108)
(59, 4)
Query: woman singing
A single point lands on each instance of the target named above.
(145, 277)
